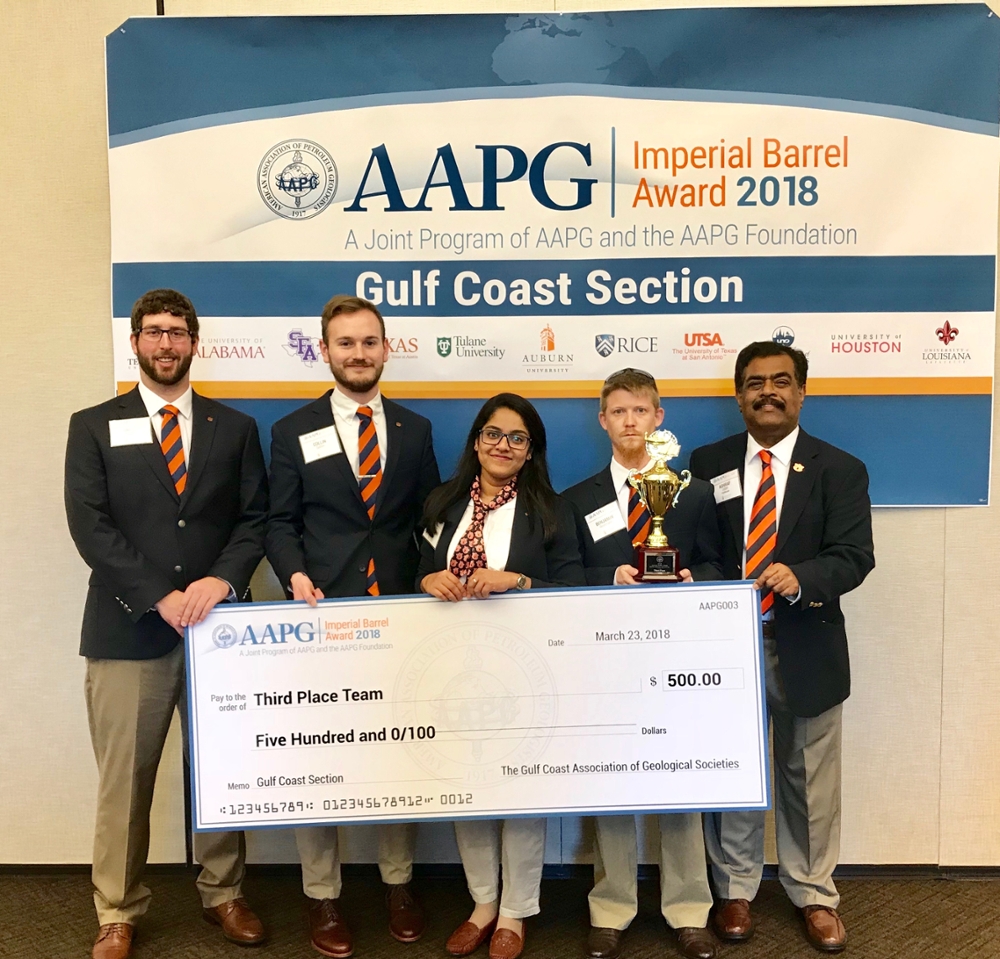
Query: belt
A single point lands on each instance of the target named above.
(767, 629)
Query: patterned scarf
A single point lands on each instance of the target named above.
(470, 553)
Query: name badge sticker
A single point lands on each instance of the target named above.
(433, 539)
(319, 444)
(131, 432)
(727, 486)
(605, 521)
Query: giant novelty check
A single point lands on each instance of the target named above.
(539, 703)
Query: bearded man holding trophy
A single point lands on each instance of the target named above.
(639, 522)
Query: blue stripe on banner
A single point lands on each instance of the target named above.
(835, 284)
(955, 428)
(940, 59)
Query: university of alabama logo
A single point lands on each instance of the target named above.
(297, 179)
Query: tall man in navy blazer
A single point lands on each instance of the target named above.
(796, 518)
(166, 498)
(350, 473)
(610, 521)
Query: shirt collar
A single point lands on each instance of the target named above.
(156, 403)
(782, 451)
(620, 474)
(346, 407)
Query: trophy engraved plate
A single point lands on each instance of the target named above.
(659, 488)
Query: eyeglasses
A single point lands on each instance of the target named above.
(153, 334)
(491, 436)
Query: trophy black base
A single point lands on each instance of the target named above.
(659, 564)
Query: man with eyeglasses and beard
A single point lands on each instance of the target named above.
(166, 499)
(349, 476)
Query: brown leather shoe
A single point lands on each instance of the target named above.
(406, 917)
(468, 937)
(604, 942)
(507, 944)
(732, 920)
(239, 924)
(694, 942)
(114, 941)
(824, 927)
(329, 933)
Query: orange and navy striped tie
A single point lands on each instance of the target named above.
(638, 519)
(763, 533)
(369, 477)
(173, 447)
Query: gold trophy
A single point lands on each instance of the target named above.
(659, 488)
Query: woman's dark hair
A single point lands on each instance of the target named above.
(534, 489)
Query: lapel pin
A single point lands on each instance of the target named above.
(398, 423)
(798, 467)
(210, 420)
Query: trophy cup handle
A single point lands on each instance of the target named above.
(685, 483)
(635, 481)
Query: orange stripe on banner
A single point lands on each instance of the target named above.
(542, 389)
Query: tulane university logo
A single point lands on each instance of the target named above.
(224, 636)
(297, 179)
(604, 343)
(444, 345)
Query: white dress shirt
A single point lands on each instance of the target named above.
(156, 403)
(623, 488)
(497, 528)
(781, 461)
(345, 416)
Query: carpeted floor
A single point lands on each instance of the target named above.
(51, 917)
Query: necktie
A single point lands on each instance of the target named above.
(763, 534)
(470, 553)
(173, 448)
(369, 477)
(638, 519)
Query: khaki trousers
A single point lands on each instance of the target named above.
(517, 846)
(806, 808)
(685, 895)
(130, 704)
(319, 853)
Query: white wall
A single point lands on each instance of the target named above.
(922, 777)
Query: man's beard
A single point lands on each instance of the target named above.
(148, 365)
(360, 385)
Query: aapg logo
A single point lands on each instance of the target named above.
(604, 343)
(306, 348)
(297, 179)
(224, 636)
(444, 345)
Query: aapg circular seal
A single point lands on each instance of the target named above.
(297, 179)
(224, 636)
(489, 696)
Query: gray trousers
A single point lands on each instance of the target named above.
(130, 703)
(806, 808)
(685, 895)
(319, 853)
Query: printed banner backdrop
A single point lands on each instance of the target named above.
(537, 201)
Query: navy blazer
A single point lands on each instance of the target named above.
(825, 538)
(318, 524)
(140, 539)
(553, 564)
(691, 526)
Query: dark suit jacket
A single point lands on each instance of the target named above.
(549, 565)
(318, 523)
(825, 538)
(140, 539)
(691, 526)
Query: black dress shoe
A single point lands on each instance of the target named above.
(604, 943)
(695, 943)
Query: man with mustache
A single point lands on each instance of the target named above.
(350, 473)
(166, 498)
(796, 519)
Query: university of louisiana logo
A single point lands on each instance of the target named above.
(297, 179)
(444, 345)
(947, 333)
(604, 343)
(224, 636)
(306, 348)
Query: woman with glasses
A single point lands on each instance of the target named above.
(498, 525)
